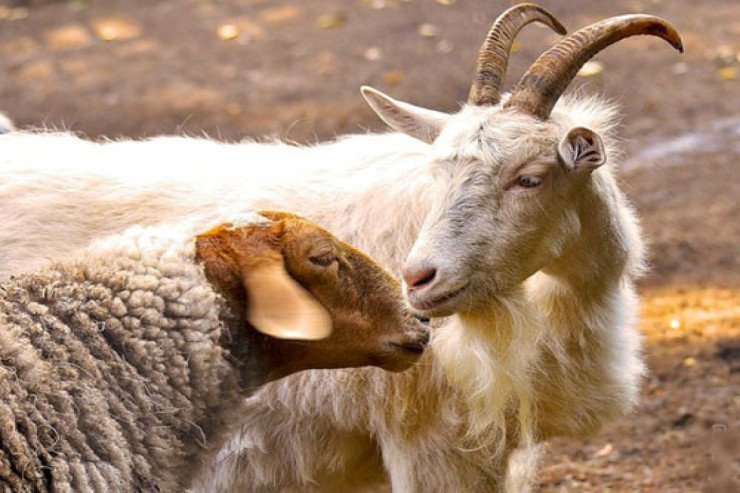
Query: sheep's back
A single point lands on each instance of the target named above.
(99, 366)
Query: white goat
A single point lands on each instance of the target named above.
(534, 248)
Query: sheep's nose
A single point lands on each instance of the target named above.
(424, 337)
(419, 278)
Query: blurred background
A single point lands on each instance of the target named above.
(234, 69)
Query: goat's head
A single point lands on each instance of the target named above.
(322, 303)
(508, 174)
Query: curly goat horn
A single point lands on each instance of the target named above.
(543, 84)
(493, 56)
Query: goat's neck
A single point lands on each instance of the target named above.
(488, 357)
(589, 307)
(596, 259)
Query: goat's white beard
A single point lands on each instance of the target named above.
(492, 368)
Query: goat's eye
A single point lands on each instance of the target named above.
(323, 260)
(529, 181)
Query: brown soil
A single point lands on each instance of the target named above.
(164, 69)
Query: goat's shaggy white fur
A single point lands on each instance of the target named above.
(560, 355)
(60, 192)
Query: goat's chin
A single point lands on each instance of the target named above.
(431, 309)
(435, 304)
(440, 312)
(476, 301)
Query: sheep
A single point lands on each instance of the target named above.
(544, 340)
(124, 369)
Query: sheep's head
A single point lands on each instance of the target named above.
(508, 175)
(322, 303)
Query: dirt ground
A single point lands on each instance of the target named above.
(254, 68)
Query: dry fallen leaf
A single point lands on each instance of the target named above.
(605, 450)
(67, 37)
(228, 32)
(689, 362)
(727, 73)
(428, 31)
(116, 29)
(725, 56)
(373, 54)
(446, 3)
(591, 68)
(393, 77)
(680, 68)
(328, 21)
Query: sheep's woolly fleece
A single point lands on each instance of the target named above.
(107, 365)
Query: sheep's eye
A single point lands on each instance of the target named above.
(529, 181)
(323, 260)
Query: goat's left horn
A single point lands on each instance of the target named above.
(493, 56)
(545, 81)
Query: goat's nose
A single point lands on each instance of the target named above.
(418, 278)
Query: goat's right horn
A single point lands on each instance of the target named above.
(493, 56)
(545, 81)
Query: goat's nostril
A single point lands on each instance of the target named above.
(419, 278)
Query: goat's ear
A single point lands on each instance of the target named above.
(582, 148)
(247, 262)
(420, 123)
(280, 307)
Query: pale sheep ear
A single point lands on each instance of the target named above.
(280, 307)
(417, 122)
(583, 149)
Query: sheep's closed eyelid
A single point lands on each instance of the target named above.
(323, 259)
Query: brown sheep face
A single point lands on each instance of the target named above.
(322, 303)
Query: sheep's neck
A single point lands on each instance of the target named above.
(258, 359)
